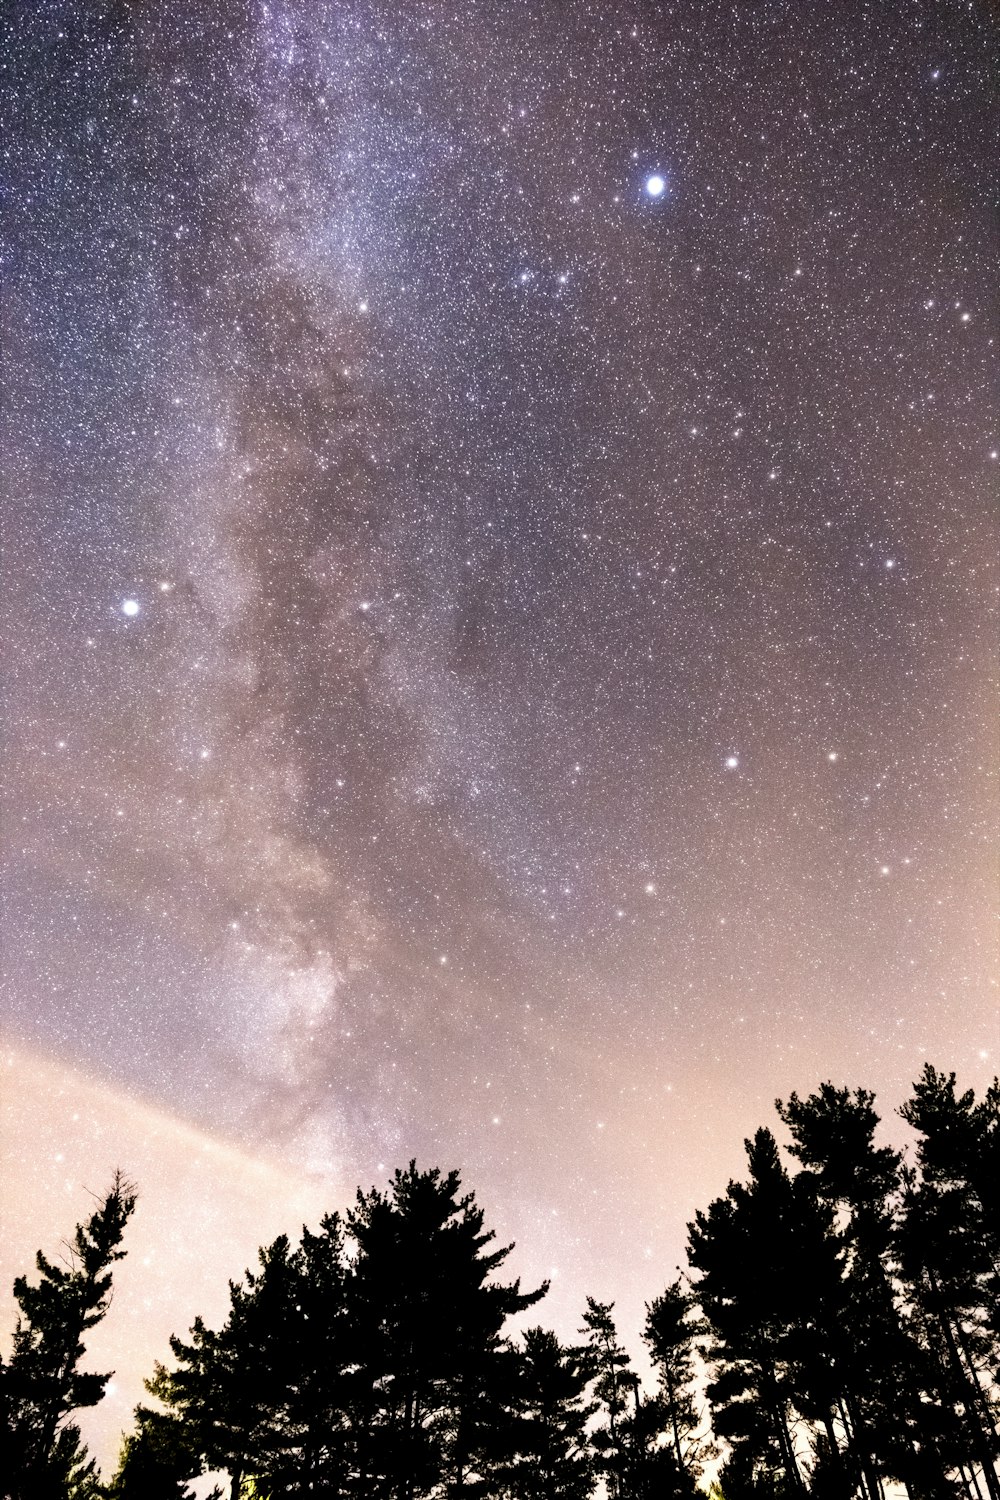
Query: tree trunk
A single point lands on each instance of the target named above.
(408, 1447)
(673, 1424)
(981, 1401)
(863, 1453)
(780, 1416)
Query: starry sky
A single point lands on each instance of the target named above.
(500, 598)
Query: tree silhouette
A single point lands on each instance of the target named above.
(42, 1383)
(949, 1252)
(553, 1459)
(266, 1397)
(437, 1374)
(670, 1333)
(751, 1250)
(155, 1462)
(873, 1358)
(613, 1391)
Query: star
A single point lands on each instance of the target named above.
(732, 762)
(130, 608)
(656, 185)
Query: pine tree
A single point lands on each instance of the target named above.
(950, 1255)
(763, 1269)
(42, 1384)
(228, 1386)
(553, 1459)
(266, 1397)
(614, 1391)
(155, 1462)
(871, 1355)
(436, 1381)
(670, 1334)
(319, 1419)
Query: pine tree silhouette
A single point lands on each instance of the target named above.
(553, 1459)
(670, 1334)
(950, 1254)
(42, 1383)
(439, 1378)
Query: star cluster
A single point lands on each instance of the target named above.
(500, 576)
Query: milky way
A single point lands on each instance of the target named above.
(499, 586)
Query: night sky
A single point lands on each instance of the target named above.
(499, 590)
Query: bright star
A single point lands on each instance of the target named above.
(130, 607)
(655, 185)
(732, 761)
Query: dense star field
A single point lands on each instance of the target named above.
(499, 583)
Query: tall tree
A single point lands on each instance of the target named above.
(670, 1334)
(766, 1264)
(42, 1384)
(437, 1377)
(833, 1136)
(949, 1247)
(317, 1455)
(264, 1398)
(553, 1459)
(614, 1393)
(228, 1386)
(155, 1461)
